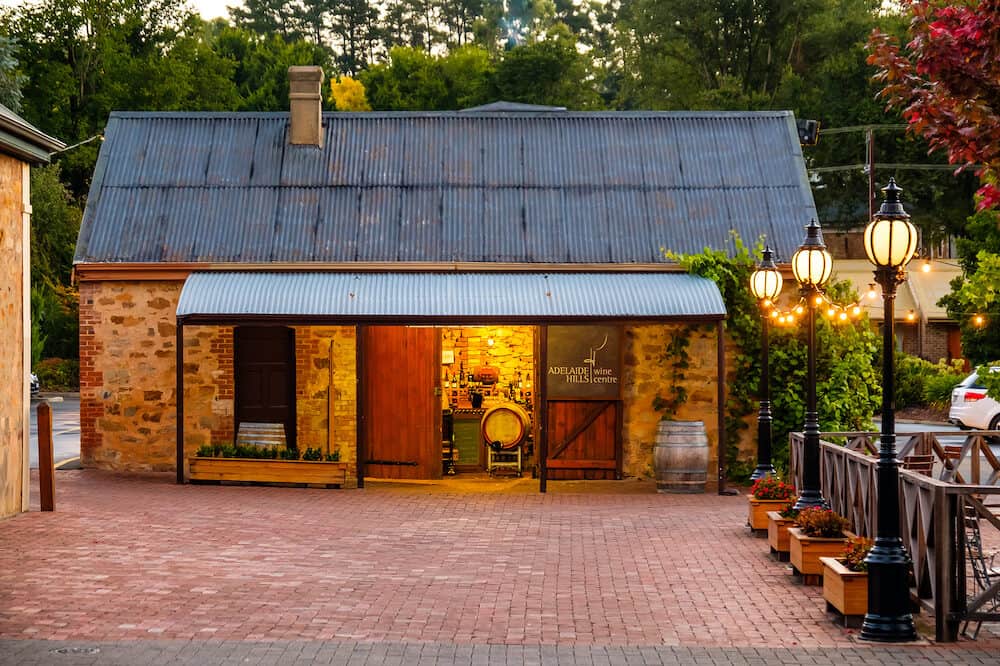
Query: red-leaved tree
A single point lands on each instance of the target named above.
(946, 81)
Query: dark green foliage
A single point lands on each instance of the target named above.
(57, 374)
(847, 388)
(920, 383)
(312, 454)
(675, 357)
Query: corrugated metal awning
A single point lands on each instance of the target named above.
(305, 297)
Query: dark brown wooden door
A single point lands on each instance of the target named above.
(265, 377)
(402, 408)
(584, 439)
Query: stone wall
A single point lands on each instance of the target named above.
(128, 378)
(127, 339)
(324, 354)
(13, 404)
(646, 375)
(512, 353)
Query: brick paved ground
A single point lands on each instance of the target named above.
(150, 571)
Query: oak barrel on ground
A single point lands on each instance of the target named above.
(506, 423)
(680, 457)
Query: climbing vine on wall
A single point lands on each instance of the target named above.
(676, 358)
(848, 390)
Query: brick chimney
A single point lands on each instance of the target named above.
(306, 105)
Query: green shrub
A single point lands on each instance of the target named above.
(938, 387)
(58, 374)
(911, 378)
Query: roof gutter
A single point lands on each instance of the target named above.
(26, 141)
(178, 271)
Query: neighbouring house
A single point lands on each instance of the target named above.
(371, 283)
(923, 328)
(21, 145)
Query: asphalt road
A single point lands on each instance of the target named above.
(65, 428)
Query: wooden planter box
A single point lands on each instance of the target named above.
(310, 472)
(805, 551)
(777, 535)
(845, 591)
(757, 519)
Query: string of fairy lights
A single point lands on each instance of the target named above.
(842, 313)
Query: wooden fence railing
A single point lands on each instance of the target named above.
(932, 505)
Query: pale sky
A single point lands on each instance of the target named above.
(210, 9)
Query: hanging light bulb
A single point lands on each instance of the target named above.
(799, 309)
(979, 320)
(818, 300)
(872, 291)
(856, 311)
(830, 312)
(843, 316)
(926, 266)
(911, 315)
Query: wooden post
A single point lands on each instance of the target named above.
(720, 337)
(179, 399)
(359, 403)
(46, 465)
(541, 404)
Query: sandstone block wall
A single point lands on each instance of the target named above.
(127, 359)
(13, 424)
(646, 374)
(128, 410)
(326, 356)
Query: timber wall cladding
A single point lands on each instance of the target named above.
(11, 336)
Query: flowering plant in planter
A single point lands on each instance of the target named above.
(771, 488)
(820, 522)
(855, 553)
(789, 511)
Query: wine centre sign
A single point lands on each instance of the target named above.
(583, 362)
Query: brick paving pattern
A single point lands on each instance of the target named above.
(143, 568)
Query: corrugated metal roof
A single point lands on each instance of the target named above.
(522, 187)
(445, 296)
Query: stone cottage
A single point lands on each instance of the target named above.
(21, 145)
(350, 278)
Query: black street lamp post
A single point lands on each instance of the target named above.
(890, 241)
(812, 266)
(765, 284)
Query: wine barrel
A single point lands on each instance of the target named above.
(680, 457)
(506, 423)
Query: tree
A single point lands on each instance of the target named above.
(945, 81)
(261, 65)
(55, 223)
(551, 71)
(412, 80)
(11, 79)
(84, 58)
(269, 17)
(348, 95)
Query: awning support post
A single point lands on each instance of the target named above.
(179, 399)
(720, 336)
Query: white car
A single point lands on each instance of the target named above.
(971, 408)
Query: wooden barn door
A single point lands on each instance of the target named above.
(402, 408)
(584, 439)
(265, 377)
(582, 403)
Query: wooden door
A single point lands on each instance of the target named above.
(265, 377)
(402, 408)
(584, 439)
